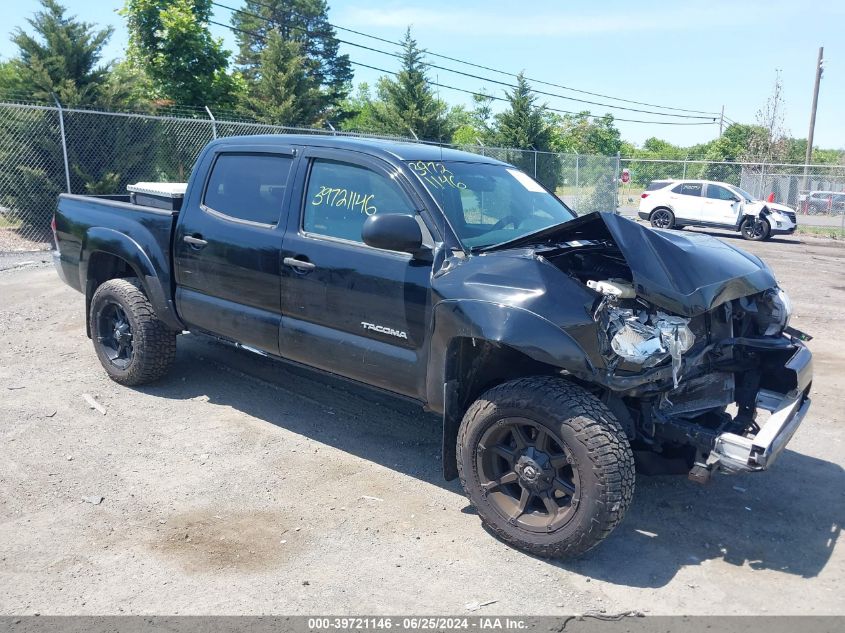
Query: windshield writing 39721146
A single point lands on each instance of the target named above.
(436, 174)
(344, 198)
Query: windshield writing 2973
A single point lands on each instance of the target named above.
(436, 174)
(339, 197)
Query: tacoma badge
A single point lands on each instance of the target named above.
(384, 330)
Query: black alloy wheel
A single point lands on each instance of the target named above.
(115, 336)
(134, 346)
(662, 219)
(755, 229)
(546, 465)
(527, 474)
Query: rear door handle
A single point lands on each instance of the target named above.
(301, 264)
(194, 241)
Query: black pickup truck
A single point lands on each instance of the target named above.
(557, 348)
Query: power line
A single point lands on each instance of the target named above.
(480, 94)
(472, 76)
(501, 72)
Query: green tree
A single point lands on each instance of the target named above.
(61, 58)
(360, 109)
(769, 144)
(170, 42)
(586, 134)
(302, 25)
(475, 126)
(524, 125)
(284, 93)
(10, 80)
(407, 102)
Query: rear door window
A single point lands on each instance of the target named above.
(248, 187)
(689, 189)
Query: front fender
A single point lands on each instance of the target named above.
(112, 242)
(517, 328)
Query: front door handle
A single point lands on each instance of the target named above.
(197, 242)
(301, 264)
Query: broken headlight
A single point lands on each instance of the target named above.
(771, 310)
(649, 339)
(783, 307)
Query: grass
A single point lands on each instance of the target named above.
(8, 222)
(833, 232)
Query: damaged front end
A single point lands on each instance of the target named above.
(693, 388)
(696, 356)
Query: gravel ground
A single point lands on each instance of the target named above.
(11, 241)
(241, 485)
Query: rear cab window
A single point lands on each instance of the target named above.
(688, 189)
(248, 187)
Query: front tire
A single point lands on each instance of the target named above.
(755, 229)
(133, 345)
(662, 218)
(546, 465)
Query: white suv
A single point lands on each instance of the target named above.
(671, 204)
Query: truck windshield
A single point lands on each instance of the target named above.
(490, 204)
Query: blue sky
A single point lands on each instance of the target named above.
(698, 54)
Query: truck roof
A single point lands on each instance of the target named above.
(396, 150)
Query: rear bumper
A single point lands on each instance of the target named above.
(643, 215)
(57, 263)
(736, 453)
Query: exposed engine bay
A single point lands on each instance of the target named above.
(683, 383)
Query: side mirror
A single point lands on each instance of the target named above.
(393, 232)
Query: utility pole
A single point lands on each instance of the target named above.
(809, 156)
(721, 121)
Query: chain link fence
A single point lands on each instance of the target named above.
(105, 151)
(101, 154)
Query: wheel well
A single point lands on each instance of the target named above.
(472, 367)
(101, 268)
(661, 208)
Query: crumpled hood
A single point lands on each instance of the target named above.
(776, 206)
(685, 273)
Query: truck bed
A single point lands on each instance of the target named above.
(84, 223)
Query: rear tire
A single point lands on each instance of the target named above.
(133, 345)
(755, 229)
(546, 464)
(662, 218)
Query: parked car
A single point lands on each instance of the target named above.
(553, 346)
(669, 204)
(823, 202)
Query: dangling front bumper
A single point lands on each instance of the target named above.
(736, 453)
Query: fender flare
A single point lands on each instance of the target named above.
(120, 245)
(516, 328)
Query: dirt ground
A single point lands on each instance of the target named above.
(241, 485)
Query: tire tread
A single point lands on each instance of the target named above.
(595, 427)
(154, 344)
